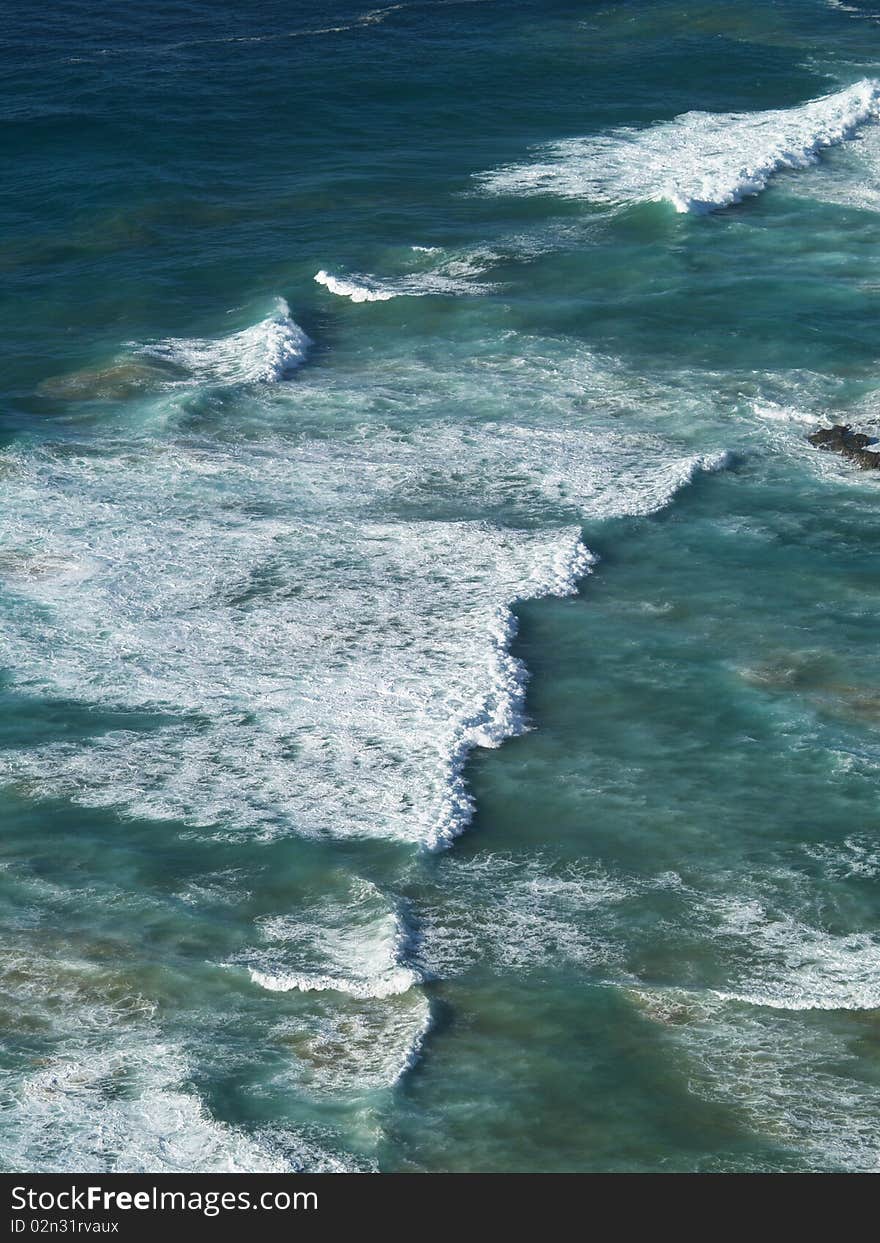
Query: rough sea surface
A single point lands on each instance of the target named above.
(440, 721)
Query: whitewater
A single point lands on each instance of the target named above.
(222, 565)
(697, 162)
(439, 677)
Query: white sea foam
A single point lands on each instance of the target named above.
(265, 353)
(127, 1108)
(800, 967)
(454, 276)
(361, 287)
(519, 914)
(774, 412)
(857, 855)
(502, 712)
(854, 181)
(318, 626)
(698, 162)
(350, 663)
(751, 1059)
(153, 1125)
(110, 1091)
(356, 945)
(352, 1046)
(850, 8)
(283, 981)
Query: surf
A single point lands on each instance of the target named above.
(266, 353)
(698, 162)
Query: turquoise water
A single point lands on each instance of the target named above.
(440, 686)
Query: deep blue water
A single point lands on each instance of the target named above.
(439, 680)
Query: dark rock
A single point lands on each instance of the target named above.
(865, 459)
(849, 444)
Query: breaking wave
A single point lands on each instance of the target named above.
(356, 946)
(698, 162)
(265, 353)
(452, 277)
(351, 661)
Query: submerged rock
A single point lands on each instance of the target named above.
(118, 380)
(849, 444)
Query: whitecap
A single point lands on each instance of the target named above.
(453, 277)
(698, 162)
(122, 1108)
(354, 945)
(799, 967)
(267, 352)
(362, 287)
(316, 671)
(109, 1090)
(127, 1107)
(774, 412)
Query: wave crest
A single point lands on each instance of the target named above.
(354, 945)
(264, 353)
(698, 162)
(454, 277)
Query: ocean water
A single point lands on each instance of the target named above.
(440, 687)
